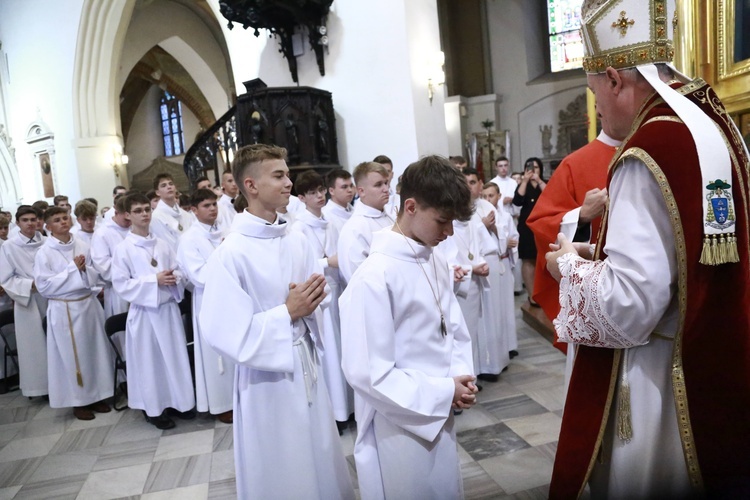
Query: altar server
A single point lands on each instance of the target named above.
(170, 221)
(339, 208)
(258, 304)
(144, 272)
(80, 363)
(406, 350)
(103, 244)
(17, 279)
(214, 375)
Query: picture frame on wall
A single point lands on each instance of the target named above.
(45, 165)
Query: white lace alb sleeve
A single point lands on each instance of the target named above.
(618, 302)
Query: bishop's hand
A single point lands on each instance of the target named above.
(593, 204)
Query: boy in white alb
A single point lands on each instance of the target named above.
(214, 375)
(506, 228)
(17, 279)
(339, 208)
(229, 192)
(85, 213)
(169, 220)
(406, 350)
(368, 216)
(144, 272)
(80, 364)
(103, 244)
(322, 237)
(258, 304)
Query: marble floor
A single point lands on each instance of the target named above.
(507, 443)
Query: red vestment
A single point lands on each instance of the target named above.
(711, 359)
(578, 173)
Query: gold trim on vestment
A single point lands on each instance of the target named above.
(603, 426)
(678, 376)
(663, 119)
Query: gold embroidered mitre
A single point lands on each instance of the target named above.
(627, 33)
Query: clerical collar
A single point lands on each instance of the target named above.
(253, 226)
(61, 245)
(142, 241)
(311, 220)
(22, 240)
(173, 211)
(603, 137)
(394, 244)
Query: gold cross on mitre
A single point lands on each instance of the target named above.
(623, 23)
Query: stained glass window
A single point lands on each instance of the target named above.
(171, 125)
(565, 44)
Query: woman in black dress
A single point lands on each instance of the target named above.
(527, 193)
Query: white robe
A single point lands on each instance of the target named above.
(506, 305)
(473, 292)
(507, 188)
(103, 246)
(336, 214)
(226, 212)
(322, 237)
(285, 440)
(401, 369)
(618, 303)
(495, 354)
(169, 223)
(16, 277)
(356, 235)
(158, 366)
(214, 374)
(72, 300)
(394, 203)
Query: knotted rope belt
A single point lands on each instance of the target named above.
(79, 376)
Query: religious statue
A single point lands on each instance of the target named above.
(292, 141)
(546, 131)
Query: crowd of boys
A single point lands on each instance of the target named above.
(304, 314)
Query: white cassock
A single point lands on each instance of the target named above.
(75, 326)
(336, 214)
(103, 246)
(356, 236)
(158, 367)
(495, 357)
(214, 375)
(16, 277)
(226, 212)
(394, 203)
(5, 304)
(82, 236)
(618, 303)
(169, 223)
(506, 307)
(401, 368)
(322, 237)
(473, 292)
(285, 441)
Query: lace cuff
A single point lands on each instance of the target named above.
(582, 317)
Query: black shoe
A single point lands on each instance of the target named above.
(162, 422)
(457, 411)
(341, 426)
(513, 353)
(182, 415)
(488, 377)
(479, 387)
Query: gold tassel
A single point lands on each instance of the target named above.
(732, 253)
(706, 252)
(624, 420)
(722, 257)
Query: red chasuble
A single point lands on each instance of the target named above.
(711, 358)
(579, 173)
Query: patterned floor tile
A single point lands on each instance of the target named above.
(18, 472)
(513, 407)
(490, 441)
(179, 472)
(126, 454)
(519, 471)
(64, 465)
(61, 488)
(115, 483)
(536, 429)
(19, 449)
(196, 492)
(185, 445)
(222, 490)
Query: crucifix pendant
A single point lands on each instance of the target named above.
(471, 256)
(153, 262)
(179, 227)
(443, 329)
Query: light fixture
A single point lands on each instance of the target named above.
(436, 74)
(118, 160)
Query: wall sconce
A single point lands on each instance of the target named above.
(118, 160)
(437, 74)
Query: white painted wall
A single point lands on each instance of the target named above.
(40, 70)
(374, 70)
(514, 39)
(145, 137)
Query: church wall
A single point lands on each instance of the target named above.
(185, 36)
(41, 52)
(516, 55)
(145, 138)
(373, 70)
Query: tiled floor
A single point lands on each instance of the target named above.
(507, 443)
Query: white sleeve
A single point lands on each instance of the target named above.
(569, 223)
(353, 249)
(617, 302)
(52, 283)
